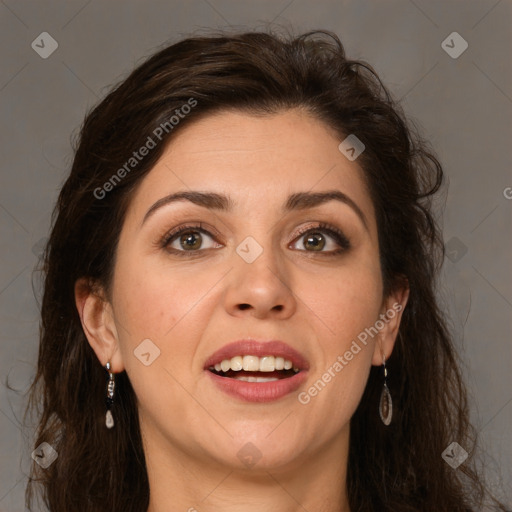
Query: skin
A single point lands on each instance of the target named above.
(191, 306)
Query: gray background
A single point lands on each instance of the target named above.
(463, 105)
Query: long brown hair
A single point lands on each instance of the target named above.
(396, 468)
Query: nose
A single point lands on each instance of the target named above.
(260, 289)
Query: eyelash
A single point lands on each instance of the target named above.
(332, 231)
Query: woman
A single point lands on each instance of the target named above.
(239, 308)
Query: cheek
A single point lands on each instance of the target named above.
(347, 306)
(344, 305)
(345, 301)
(164, 305)
(152, 298)
(172, 309)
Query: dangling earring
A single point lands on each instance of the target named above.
(109, 419)
(385, 404)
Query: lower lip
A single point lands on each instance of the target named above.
(258, 391)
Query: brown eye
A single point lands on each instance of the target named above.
(191, 241)
(322, 239)
(314, 241)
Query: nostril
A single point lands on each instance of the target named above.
(244, 306)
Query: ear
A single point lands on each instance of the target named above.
(98, 323)
(391, 313)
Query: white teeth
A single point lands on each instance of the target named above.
(251, 363)
(255, 379)
(236, 363)
(267, 364)
(255, 364)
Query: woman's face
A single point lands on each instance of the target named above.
(263, 255)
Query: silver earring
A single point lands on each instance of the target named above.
(109, 419)
(385, 404)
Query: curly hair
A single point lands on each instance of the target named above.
(397, 468)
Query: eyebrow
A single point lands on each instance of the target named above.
(297, 201)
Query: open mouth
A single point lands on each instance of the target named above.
(260, 376)
(255, 376)
(251, 368)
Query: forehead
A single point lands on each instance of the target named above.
(291, 137)
(257, 160)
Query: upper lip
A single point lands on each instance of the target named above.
(260, 349)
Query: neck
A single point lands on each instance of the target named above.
(181, 482)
